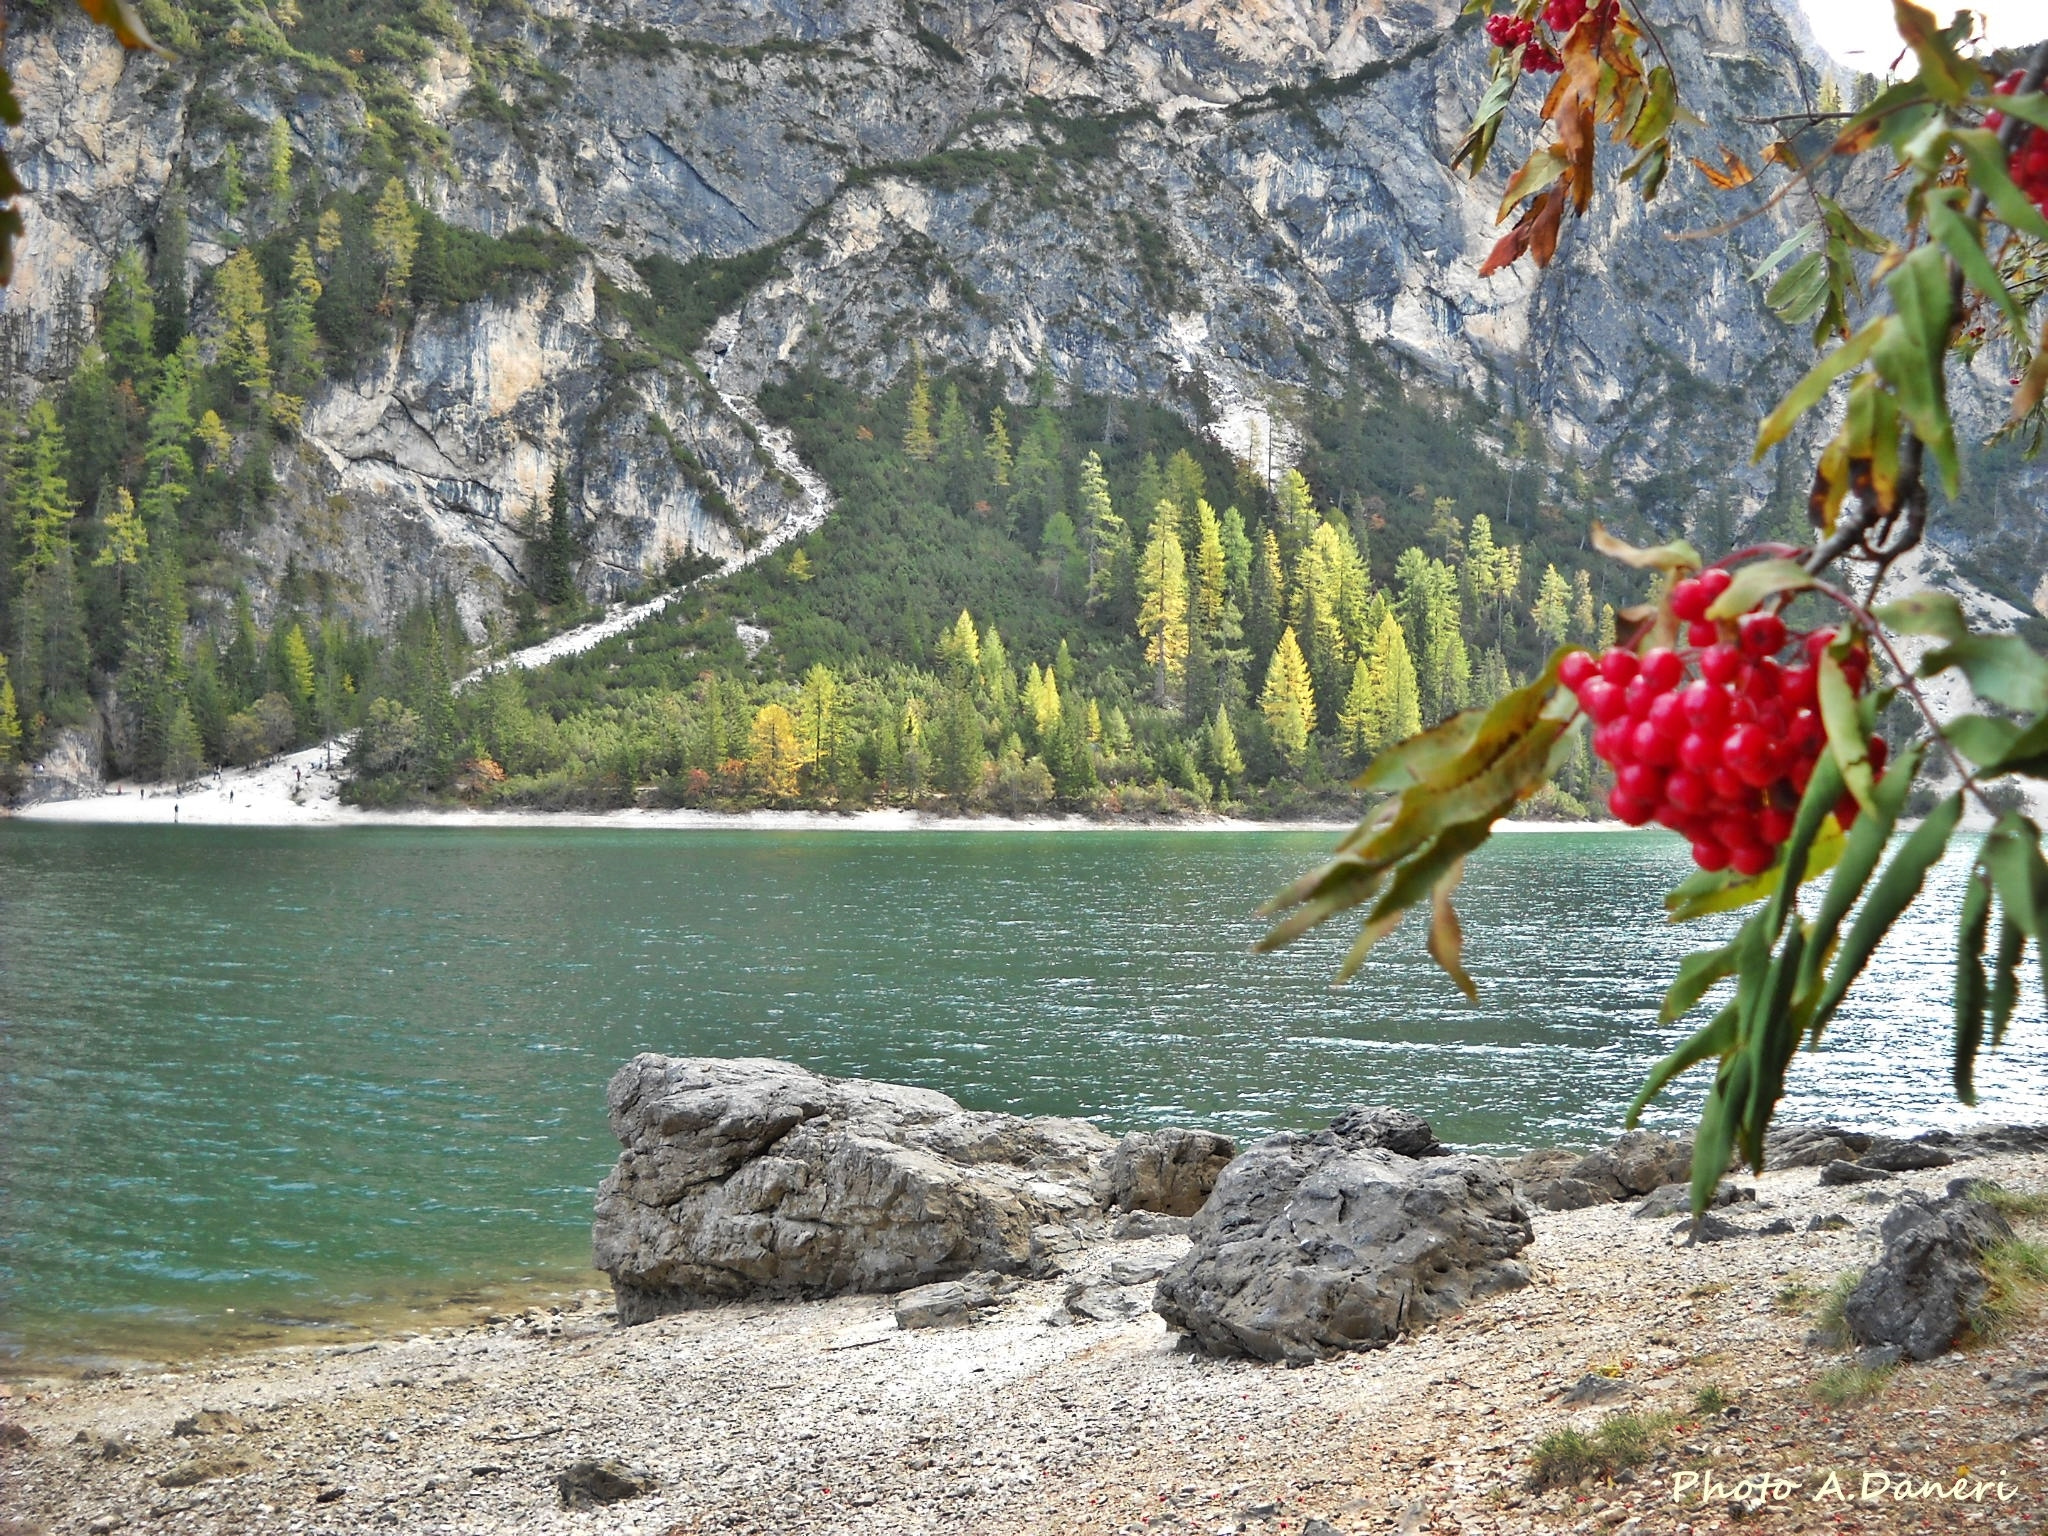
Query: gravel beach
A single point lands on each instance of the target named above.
(826, 1418)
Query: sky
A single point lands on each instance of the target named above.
(1860, 32)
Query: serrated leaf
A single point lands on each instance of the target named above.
(1446, 937)
(1698, 973)
(1813, 388)
(1911, 351)
(1412, 882)
(1798, 295)
(1895, 890)
(1422, 757)
(1537, 173)
(1755, 582)
(1971, 933)
(1843, 719)
(1678, 555)
(2003, 669)
(1478, 141)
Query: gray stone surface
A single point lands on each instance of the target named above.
(1310, 1245)
(943, 1304)
(1896, 1156)
(758, 1178)
(1676, 1199)
(1921, 1293)
(586, 1484)
(1170, 1171)
(1841, 1173)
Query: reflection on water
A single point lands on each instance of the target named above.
(312, 1071)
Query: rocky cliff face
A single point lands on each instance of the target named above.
(1233, 207)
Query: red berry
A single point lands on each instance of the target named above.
(1639, 695)
(1649, 745)
(1721, 664)
(1846, 809)
(1728, 786)
(1575, 668)
(1639, 781)
(1689, 792)
(1709, 855)
(1775, 825)
(1602, 700)
(1664, 667)
(1762, 682)
(1815, 642)
(1634, 812)
(1703, 632)
(1699, 752)
(1507, 32)
(1802, 772)
(1799, 687)
(1667, 714)
(1747, 750)
(1610, 742)
(1619, 667)
(1880, 753)
(1763, 634)
(1688, 601)
(1541, 59)
(1714, 582)
(1751, 858)
(1563, 15)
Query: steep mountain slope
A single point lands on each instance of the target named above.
(1236, 208)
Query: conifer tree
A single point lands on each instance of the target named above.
(997, 680)
(128, 320)
(919, 442)
(278, 182)
(244, 349)
(1185, 484)
(299, 677)
(298, 339)
(167, 270)
(1237, 559)
(124, 541)
(555, 559)
(184, 751)
(1552, 613)
(1605, 639)
(1107, 541)
(1288, 701)
(327, 233)
(244, 654)
(958, 755)
(1210, 594)
(1063, 665)
(1163, 605)
(233, 195)
(800, 570)
(996, 448)
(394, 237)
(1060, 559)
(1037, 478)
(10, 723)
(153, 672)
(963, 469)
(821, 724)
(1295, 516)
(1359, 721)
(166, 462)
(1584, 620)
(1225, 760)
(961, 647)
(1266, 611)
(1147, 491)
(774, 752)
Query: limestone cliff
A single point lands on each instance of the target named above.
(1233, 207)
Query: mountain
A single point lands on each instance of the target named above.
(632, 224)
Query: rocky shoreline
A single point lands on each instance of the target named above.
(1065, 1383)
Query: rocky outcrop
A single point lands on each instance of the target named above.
(71, 767)
(1169, 1171)
(758, 1178)
(1314, 1244)
(1925, 1289)
(1633, 1164)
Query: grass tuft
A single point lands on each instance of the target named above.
(2011, 1202)
(1795, 1295)
(1829, 1324)
(1848, 1384)
(1710, 1399)
(1566, 1456)
(2015, 1271)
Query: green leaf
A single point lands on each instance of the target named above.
(1797, 296)
(1925, 613)
(1944, 73)
(1703, 894)
(1678, 555)
(1862, 848)
(1753, 583)
(1843, 718)
(1412, 882)
(1537, 172)
(1716, 1039)
(1659, 110)
(1809, 391)
(1478, 140)
(1775, 1026)
(1971, 934)
(1911, 352)
(1715, 1137)
(2030, 108)
(1983, 739)
(1815, 806)
(1988, 174)
(2005, 976)
(2003, 669)
(1771, 262)
(2028, 753)
(1422, 757)
(1446, 936)
(1895, 890)
(1962, 239)
(1697, 974)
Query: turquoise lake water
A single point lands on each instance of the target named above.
(306, 1075)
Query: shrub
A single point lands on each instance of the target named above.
(1845, 1385)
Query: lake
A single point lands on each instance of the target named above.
(258, 1079)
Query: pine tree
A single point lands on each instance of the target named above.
(327, 233)
(821, 725)
(1147, 492)
(1237, 559)
(1584, 619)
(166, 462)
(10, 723)
(184, 752)
(39, 495)
(1063, 665)
(1107, 540)
(298, 339)
(128, 320)
(233, 195)
(167, 270)
(997, 680)
(996, 448)
(153, 671)
(1038, 478)
(960, 647)
(1605, 639)
(1552, 613)
(1264, 614)
(1185, 484)
(774, 752)
(1392, 709)
(1288, 701)
(555, 559)
(1163, 605)
(800, 570)
(1359, 722)
(1224, 758)
(919, 443)
(278, 183)
(124, 541)
(1061, 560)
(1295, 517)
(394, 237)
(244, 340)
(1210, 597)
(1430, 613)
(958, 755)
(299, 678)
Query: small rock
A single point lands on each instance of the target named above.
(207, 1421)
(1779, 1228)
(327, 1493)
(1132, 1225)
(1710, 1229)
(1924, 1289)
(1595, 1388)
(948, 1304)
(585, 1484)
(1895, 1156)
(13, 1435)
(1879, 1357)
(1101, 1303)
(1832, 1222)
(1136, 1271)
(99, 1525)
(1564, 1194)
(105, 1447)
(1840, 1172)
(206, 1469)
(1676, 1199)
(1169, 1171)
(1320, 1528)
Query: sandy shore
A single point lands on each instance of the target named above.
(825, 1418)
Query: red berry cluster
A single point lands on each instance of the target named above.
(1721, 757)
(1508, 33)
(2029, 166)
(1562, 15)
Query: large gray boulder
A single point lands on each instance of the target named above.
(1920, 1295)
(1169, 1171)
(1313, 1244)
(754, 1178)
